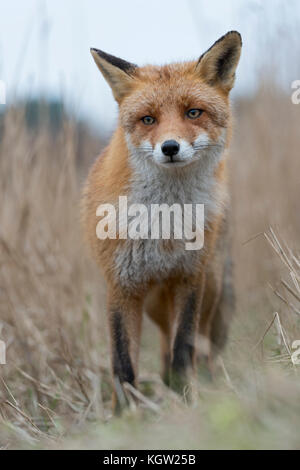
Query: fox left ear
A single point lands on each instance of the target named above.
(217, 65)
(117, 72)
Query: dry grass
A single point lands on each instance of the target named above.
(55, 389)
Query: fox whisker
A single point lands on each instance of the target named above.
(206, 146)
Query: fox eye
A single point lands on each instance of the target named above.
(148, 120)
(194, 113)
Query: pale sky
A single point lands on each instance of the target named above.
(44, 44)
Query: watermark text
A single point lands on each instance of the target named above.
(2, 353)
(158, 221)
(2, 92)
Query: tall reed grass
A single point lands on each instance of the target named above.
(55, 388)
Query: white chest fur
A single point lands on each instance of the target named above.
(138, 261)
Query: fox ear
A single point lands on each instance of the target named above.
(217, 65)
(117, 72)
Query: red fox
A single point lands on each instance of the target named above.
(170, 147)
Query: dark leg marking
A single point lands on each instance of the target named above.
(166, 368)
(184, 348)
(225, 310)
(122, 366)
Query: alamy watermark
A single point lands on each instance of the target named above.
(296, 94)
(2, 353)
(2, 92)
(295, 357)
(157, 221)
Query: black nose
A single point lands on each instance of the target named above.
(170, 148)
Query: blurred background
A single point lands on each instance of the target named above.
(59, 115)
(44, 45)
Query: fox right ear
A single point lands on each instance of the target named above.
(217, 65)
(118, 73)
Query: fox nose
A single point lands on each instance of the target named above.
(170, 148)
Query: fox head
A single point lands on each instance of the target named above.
(177, 114)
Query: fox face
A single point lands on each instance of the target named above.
(173, 123)
(178, 114)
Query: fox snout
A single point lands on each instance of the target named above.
(172, 152)
(170, 148)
